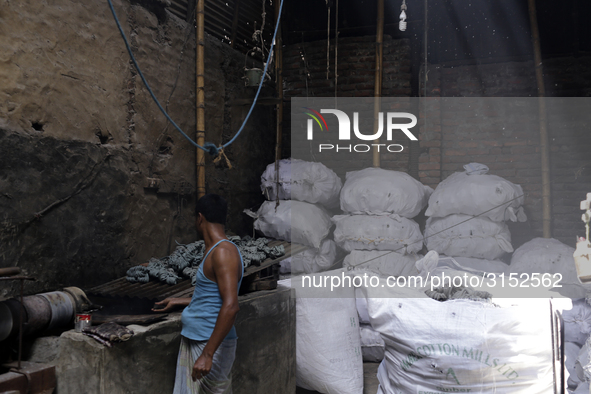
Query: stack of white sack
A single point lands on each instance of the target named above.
(379, 206)
(461, 345)
(305, 190)
(467, 212)
(303, 181)
(328, 342)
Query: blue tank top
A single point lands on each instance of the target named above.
(199, 317)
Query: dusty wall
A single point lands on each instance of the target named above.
(507, 140)
(79, 136)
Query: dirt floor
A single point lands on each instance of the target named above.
(370, 380)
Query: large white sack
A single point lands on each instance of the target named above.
(315, 260)
(478, 237)
(582, 388)
(293, 221)
(577, 322)
(303, 181)
(285, 266)
(481, 265)
(571, 352)
(436, 347)
(476, 194)
(391, 232)
(375, 191)
(381, 262)
(328, 342)
(583, 364)
(372, 344)
(545, 255)
(361, 304)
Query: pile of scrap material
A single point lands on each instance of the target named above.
(185, 260)
(108, 333)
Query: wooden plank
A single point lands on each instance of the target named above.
(97, 318)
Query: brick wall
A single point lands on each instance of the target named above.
(504, 134)
(305, 75)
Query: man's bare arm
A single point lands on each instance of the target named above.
(226, 267)
(170, 304)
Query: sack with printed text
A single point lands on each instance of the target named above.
(461, 345)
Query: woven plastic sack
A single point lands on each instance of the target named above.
(392, 232)
(481, 265)
(475, 194)
(293, 221)
(372, 344)
(328, 343)
(303, 181)
(571, 352)
(386, 263)
(461, 345)
(545, 255)
(577, 322)
(314, 260)
(478, 237)
(375, 191)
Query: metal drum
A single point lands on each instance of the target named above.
(62, 308)
(5, 321)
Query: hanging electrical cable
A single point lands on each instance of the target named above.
(328, 4)
(208, 146)
(336, 55)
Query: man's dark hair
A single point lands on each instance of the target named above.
(213, 207)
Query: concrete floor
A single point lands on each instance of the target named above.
(370, 380)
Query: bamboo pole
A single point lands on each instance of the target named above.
(200, 100)
(544, 146)
(279, 86)
(378, 79)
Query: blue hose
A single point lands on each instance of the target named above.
(208, 146)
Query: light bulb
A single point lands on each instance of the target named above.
(402, 24)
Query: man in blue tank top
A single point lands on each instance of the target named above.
(208, 336)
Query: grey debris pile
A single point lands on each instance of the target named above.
(456, 293)
(185, 260)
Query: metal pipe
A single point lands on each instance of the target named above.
(279, 87)
(378, 79)
(544, 146)
(200, 99)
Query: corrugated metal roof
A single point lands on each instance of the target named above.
(219, 17)
(156, 291)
